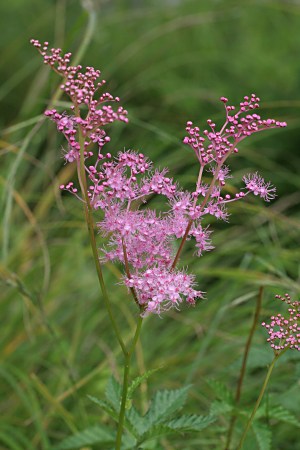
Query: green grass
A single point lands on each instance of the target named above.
(169, 62)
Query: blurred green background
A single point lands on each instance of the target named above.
(169, 61)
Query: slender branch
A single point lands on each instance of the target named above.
(132, 290)
(250, 420)
(190, 223)
(244, 363)
(206, 198)
(127, 362)
(198, 183)
(90, 224)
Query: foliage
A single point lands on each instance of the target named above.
(160, 419)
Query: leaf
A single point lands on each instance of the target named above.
(130, 425)
(150, 444)
(157, 431)
(137, 422)
(221, 391)
(105, 406)
(165, 404)
(263, 436)
(138, 380)
(180, 425)
(218, 408)
(191, 422)
(89, 436)
(113, 393)
(283, 415)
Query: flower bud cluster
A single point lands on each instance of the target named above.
(216, 145)
(89, 111)
(284, 332)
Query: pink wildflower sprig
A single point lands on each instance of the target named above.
(89, 110)
(142, 239)
(284, 332)
(215, 146)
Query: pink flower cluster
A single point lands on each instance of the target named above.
(214, 145)
(144, 240)
(160, 289)
(88, 111)
(284, 332)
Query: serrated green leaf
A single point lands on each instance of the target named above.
(157, 431)
(105, 406)
(137, 422)
(179, 425)
(138, 380)
(263, 435)
(165, 404)
(221, 391)
(151, 444)
(89, 436)
(130, 425)
(218, 408)
(190, 422)
(113, 393)
(283, 415)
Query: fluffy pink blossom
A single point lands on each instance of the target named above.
(160, 289)
(257, 185)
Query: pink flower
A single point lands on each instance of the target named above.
(82, 86)
(215, 145)
(256, 184)
(284, 332)
(160, 289)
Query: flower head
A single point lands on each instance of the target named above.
(160, 289)
(215, 145)
(89, 109)
(257, 185)
(284, 331)
(140, 238)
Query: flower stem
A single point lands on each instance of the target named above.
(127, 361)
(204, 202)
(250, 420)
(126, 263)
(90, 224)
(243, 368)
(190, 223)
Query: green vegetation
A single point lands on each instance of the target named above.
(169, 62)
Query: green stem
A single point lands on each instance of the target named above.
(243, 368)
(126, 264)
(250, 420)
(90, 224)
(206, 198)
(127, 361)
(190, 223)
